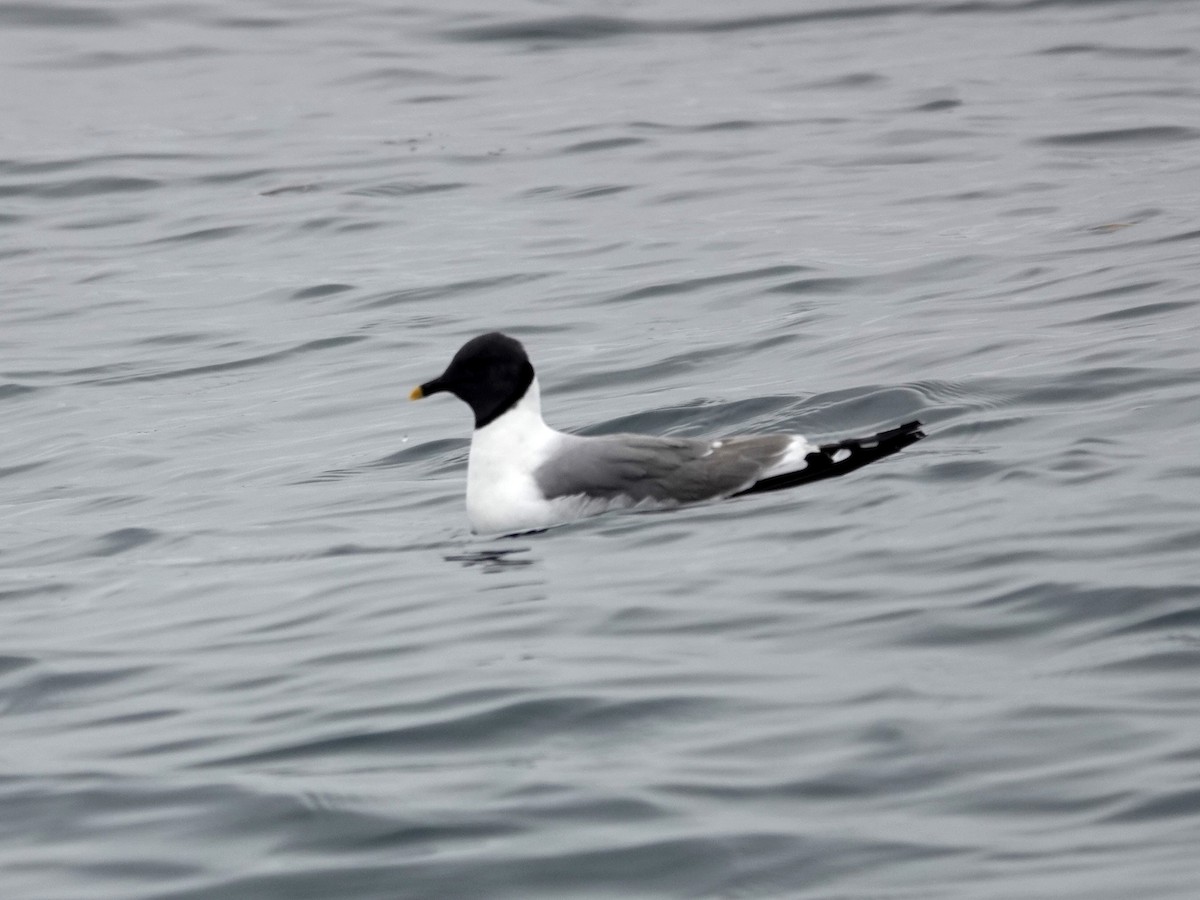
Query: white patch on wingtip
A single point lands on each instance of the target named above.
(792, 459)
(840, 455)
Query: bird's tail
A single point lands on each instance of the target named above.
(832, 460)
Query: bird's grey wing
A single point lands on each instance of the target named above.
(663, 470)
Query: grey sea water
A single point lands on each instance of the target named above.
(248, 647)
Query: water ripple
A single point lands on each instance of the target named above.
(251, 648)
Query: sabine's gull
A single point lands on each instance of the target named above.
(523, 475)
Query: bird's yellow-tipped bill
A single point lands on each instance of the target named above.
(416, 394)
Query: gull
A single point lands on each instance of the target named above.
(523, 475)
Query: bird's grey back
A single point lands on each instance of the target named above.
(662, 469)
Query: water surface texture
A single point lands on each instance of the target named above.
(248, 647)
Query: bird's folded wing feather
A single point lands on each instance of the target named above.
(664, 470)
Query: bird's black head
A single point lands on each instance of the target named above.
(490, 373)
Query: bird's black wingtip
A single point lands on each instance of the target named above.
(899, 437)
(843, 457)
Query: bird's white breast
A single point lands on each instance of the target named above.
(502, 493)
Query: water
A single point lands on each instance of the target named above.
(248, 647)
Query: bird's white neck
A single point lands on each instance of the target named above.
(504, 455)
(518, 427)
(525, 413)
